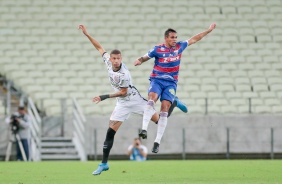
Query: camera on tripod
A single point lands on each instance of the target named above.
(14, 123)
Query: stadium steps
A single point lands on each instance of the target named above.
(58, 148)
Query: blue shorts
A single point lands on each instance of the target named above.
(165, 89)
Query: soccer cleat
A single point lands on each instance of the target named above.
(102, 167)
(143, 134)
(155, 148)
(181, 105)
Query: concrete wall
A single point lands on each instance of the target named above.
(203, 134)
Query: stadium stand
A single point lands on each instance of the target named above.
(46, 57)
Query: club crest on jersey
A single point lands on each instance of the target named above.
(172, 91)
(116, 79)
(176, 52)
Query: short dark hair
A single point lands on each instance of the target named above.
(169, 30)
(115, 51)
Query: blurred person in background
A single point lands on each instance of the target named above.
(20, 124)
(137, 151)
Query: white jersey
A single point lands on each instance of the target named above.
(120, 79)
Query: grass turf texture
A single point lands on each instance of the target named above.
(180, 172)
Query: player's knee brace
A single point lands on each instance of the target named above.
(109, 140)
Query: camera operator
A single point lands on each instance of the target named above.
(20, 122)
(137, 151)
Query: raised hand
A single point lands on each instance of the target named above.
(83, 29)
(212, 27)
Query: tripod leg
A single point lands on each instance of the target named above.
(8, 151)
(21, 147)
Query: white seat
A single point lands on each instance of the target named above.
(255, 73)
(213, 109)
(274, 80)
(68, 88)
(229, 66)
(199, 94)
(267, 94)
(260, 87)
(215, 94)
(234, 94)
(209, 80)
(221, 73)
(189, 88)
(52, 88)
(256, 101)
(225, 80)
(228, 109)
(60, 95)
(212, 66)
(262, 66)
(35, 74)
(238, 73)
(77, 94)
(249, 94)
(33, 88)
(76, 81)
(43, 81)
(276, 87)
(220, 102)
(67, 74)
(239, 101)
(59, 81)
(50, 74)
(196, 109)
(262, 109)
(225, 87)
(243, 109)
(277, 109)
(208, 88)
(272, 102)
(258, 80)
(40, 95)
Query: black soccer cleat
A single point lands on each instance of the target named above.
(155, 148)
(143, 134)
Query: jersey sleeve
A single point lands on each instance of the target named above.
(183, 45)
(106, 58)
(152, 52)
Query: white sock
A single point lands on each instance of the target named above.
(161, 126)
(148, 113)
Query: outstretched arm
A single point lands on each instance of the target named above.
(121, 92)
(141, 60)
(96, 44)
(199, 36)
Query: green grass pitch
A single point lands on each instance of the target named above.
(180, 172)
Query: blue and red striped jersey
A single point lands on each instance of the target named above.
(167, 61)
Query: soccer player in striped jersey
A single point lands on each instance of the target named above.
(128, 98)
(164, 78)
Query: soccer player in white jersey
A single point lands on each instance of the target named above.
(128, 98)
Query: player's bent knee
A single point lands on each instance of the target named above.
(163, 114)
